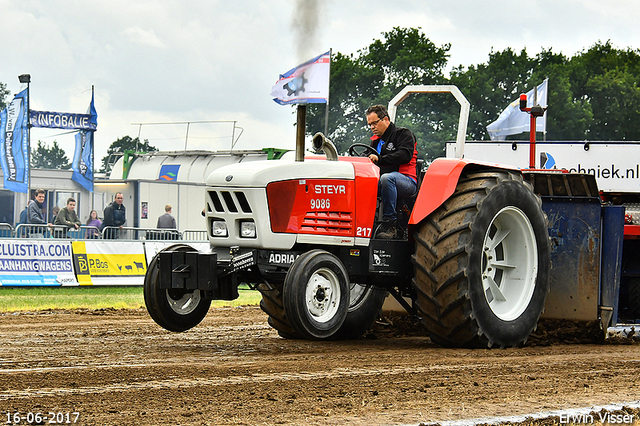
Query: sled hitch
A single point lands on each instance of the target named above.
(192, 270)
(189, 270)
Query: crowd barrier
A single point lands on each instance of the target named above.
(108, 233)
(39, 255)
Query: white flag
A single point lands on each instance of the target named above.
(306, 83)
(513, 121)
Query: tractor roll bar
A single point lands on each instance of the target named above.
(464, 108)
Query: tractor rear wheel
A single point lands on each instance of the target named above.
(634, 298)
(173, 309)
(365, 303)
(482, 263)
(272, 305)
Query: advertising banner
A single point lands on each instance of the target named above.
(112, 263)
(615, 165)
(82, 164)
(61, 120)
(36, 263)
(14, 144)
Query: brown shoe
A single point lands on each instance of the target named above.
(388, 231)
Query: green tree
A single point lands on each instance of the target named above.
(492, 86)
(117, 149)
(592, 95)
(608, 79)
(404, 56)
(615, 99)
(43, 157)
(3, 95)
(568, 117)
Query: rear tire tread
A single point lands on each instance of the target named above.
(441, 271)
(271, 304)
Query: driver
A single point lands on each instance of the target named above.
(397, 156)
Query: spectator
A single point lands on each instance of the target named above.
(24, 216)
(55, 211)
(115, 215)
(166, 221)
(35, 216)
(95, 222)
(68, 216)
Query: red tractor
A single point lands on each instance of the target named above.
(474, 265)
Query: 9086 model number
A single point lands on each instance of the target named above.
(50, 417)
(320, 203)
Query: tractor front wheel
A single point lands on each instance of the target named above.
(316, 294)
(173, 309)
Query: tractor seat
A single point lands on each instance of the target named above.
(412, 199)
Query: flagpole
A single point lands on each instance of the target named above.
(26, 78)
(93, 169)
(544, 134)
(326, 115)
(300, 131)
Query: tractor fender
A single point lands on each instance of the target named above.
(440, 182)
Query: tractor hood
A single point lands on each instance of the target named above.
(258, 174)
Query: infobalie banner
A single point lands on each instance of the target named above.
(61, 120)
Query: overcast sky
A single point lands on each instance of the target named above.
(213, 60)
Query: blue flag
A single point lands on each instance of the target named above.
(82, 164)
(14, 144)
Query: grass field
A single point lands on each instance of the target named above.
(13, 299)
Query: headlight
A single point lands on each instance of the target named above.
(247, 229)
(219, 228)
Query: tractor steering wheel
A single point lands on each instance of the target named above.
(361, 150)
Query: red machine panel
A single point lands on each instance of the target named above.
(313, 206)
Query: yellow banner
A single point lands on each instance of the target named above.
(112, 262)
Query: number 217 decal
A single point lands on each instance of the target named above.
(363, 232)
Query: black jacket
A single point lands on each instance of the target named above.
(114, 215)
(399, 152)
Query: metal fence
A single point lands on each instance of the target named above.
(195, 235)
(108, 233)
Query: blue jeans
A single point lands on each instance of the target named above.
(393, 185)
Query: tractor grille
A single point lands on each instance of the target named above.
(229, 202)
(334, 223)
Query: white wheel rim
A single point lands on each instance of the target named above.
(357, 296)
(186, 303)
(509, 263)
(322, 295)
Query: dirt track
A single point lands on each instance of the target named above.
(120, 368)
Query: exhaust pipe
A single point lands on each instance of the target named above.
(320, 142)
